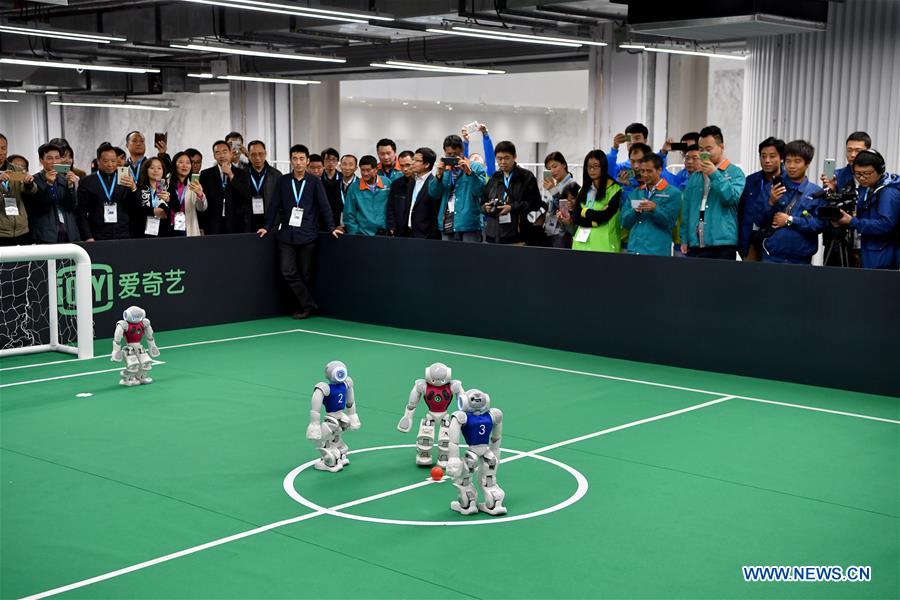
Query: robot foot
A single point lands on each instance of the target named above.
(321, 466)
(498, 509)
(129, 382)
(469, 510)
(423, 461)
(146, 380)
(442, 464)
(345, 461)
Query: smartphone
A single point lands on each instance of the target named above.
(777, 180)
(630, 173)
(564, 207)
(195, 177)
(628, 137)
(160, 137)
(548, 176)
(704, 156)
(450, 161)
(473, 126)
(61, 169)
(635, 204)
(122, 173)
(679, 147)
(235, 145)
(829, 165)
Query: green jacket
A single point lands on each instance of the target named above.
(467, 193)
(726, 185)
(651, 232)
(364, 207)
(596, 236)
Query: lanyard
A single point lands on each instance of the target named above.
(135, 168)
(352, 181)
(591, 198)
(224, 179)
(180, 195)
(298, 195)
(108, 191)
(154, 199)
(262, 180)
(506, 179)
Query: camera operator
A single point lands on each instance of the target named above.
(508, 197)
(788, 223)
(842, 183)
(876, 222)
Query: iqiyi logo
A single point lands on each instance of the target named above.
(102, 281)
(104, 285)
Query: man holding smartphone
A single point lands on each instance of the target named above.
(753, 200)
(459, 184)
(651, 210)
(228, 194)
(709, 210)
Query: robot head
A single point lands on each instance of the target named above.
(438, 374)
(336, 371)
(134, 314)
(473, 401)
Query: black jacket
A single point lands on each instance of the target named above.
(43, 218)
(267, 190)
(316, 211)
(424, 211)
(235, 196)
(333, 192)
(523, 197)
(92, 198)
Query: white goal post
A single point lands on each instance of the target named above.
(49, 254)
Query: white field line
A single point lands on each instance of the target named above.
(6, 385)
(277, 524)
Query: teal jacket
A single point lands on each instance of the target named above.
(468, 189)
(364, 207)
(651, 232)
(726, 185)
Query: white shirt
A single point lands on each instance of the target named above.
(420, 182)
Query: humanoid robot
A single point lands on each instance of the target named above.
(481, 427)
(438, 391)
(336, 394)
(134, 327)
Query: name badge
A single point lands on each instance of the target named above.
(296, 217)
(507, 218)
(152, 226)
(551, 222)
(257, 205)
(582, 234)
(180, 222)
(9, 205)
(110, 213)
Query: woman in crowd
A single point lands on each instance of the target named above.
(154, 199)
(187, 198)
(558, 234)
(596, 209)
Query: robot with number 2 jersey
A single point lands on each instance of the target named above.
(134, 327)
(481, 427)
(438, 391)
(336, 395)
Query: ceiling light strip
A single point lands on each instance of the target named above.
(248, 52)
(104, 105)
(489, 36)
(75, 66)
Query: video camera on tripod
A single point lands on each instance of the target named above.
(836, 201)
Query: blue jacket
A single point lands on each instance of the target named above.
(754, 199)
(651, 232)
(314, 203)
(795, 243)
(490, 161)
(877, 221)
(844, 177)
(726, 185)
(679, 179)
(467, 191)
(614, 165)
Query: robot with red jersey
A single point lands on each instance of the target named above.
(134, 327)
(336, 395)
(438, 390)
(481, 427)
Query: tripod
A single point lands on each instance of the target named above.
(839, 242)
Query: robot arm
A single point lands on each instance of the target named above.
(456, 387)
(454, 463)
(351, 406)
(415, 395)
(117, 341)
(151, 343)
(496, 431)
(314, 430)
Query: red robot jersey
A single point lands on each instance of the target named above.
(135, 333)
(438, 398)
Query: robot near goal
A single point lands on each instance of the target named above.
(438, 390)
(133, 328)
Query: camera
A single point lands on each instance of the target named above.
(835, 202)
(494, 206)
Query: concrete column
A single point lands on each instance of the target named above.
(316, 115)
(688, 92)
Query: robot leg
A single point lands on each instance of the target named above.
(466, 505)
(331, 456)
(425, 442)
(146, 363)
(338, 442)
(444, 441)
(132, 368)
(487, 479)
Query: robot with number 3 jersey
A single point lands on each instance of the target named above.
(481, 427)
(134, 327)
(336, 395)
(438, 391)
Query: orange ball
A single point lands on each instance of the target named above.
(437, 473)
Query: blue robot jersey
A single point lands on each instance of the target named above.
(337, 397)
(477, 429)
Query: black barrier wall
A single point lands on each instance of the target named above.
(182, 282)
(822, 326)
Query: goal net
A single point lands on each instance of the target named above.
(32, 280)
